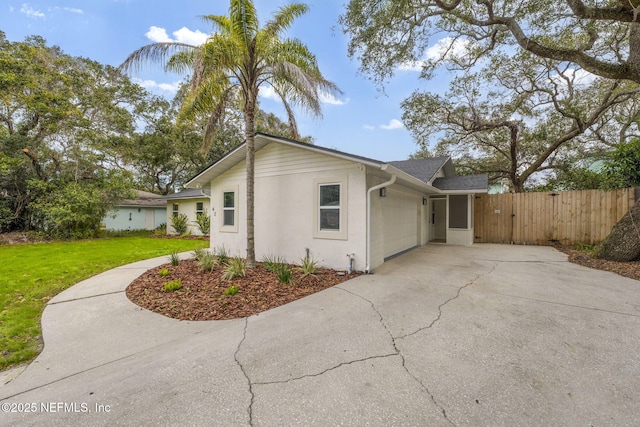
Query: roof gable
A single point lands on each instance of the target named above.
(426, 169)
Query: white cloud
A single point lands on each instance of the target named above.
(369, 127)
(393, 124)
(579, 77)
(151, 84)
(327, 98)
(446, 46)
(157, 34)
(183, 35)
(66, 9)
(267, 92)
(74, 10)
(31, 12)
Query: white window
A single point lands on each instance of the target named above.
(176, 209)
(329, 205)
(330, 209)
(229, 209)
(199, 208)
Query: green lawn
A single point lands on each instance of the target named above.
(31, 274)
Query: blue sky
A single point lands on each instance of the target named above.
(362, 121)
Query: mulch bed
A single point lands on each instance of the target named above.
(626, 269)
(202, 297)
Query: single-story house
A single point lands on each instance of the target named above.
(190, 202)
(341, 209)
(146, 212)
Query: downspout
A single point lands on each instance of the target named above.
(371, 190)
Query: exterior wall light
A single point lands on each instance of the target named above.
(383, 192)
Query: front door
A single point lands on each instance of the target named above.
(438, 220)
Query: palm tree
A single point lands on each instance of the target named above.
(240, 57)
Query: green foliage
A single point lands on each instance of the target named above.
(308, 266)
(623, 168)
(589, 249)
(235, 268)
(73, 210)
(207, 261)
(174, 259)
(204, 223)
(273, 262)
(284, 273)
(200, 253)
(222, 254)
(172, 286)
(180, 223)
(34, 273)
(160, 230)
(164, 272)
(231, 290)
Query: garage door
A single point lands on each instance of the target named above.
(400, 219)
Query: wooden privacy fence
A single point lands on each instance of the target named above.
(566, 217)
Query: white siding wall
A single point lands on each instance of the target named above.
(285, 191)
(401, 218)
(187, 207)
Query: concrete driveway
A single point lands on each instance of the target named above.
(466, 336)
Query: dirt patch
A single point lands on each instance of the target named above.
(202, 297)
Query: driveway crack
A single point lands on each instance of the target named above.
(445, 303)
(244, 372)
(398, 352)
(318, 374)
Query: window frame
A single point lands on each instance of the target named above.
(233, 228)
(175, 210)
(341, 232)
(199, 210)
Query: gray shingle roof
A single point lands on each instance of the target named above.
(467, 182)
(424, 169)
(189, 193)
(144, 199)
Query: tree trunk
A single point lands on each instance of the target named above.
(623, 242)
(249, 129)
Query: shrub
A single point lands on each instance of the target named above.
(231, 290)
(204, 223)
(222, 254)
(164, 272)
(235, 268)
(284, 273)
(173, 285)
(174, 259)
(180, 223)
(199, 253)
(207, 261)
(273, 263)
(308, 266)
(160, 230)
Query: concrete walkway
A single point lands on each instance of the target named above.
(486, 335)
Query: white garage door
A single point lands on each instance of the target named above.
(400, 219)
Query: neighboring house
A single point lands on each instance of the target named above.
(190, 202)
(146, 212)
(337, 206)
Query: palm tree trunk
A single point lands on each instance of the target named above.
(249, 131)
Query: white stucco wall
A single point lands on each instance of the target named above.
(286, 179)
(187, 207)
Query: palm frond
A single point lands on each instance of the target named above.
(158, 53)
(244, 19)
(220, 23)
(284, 18)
